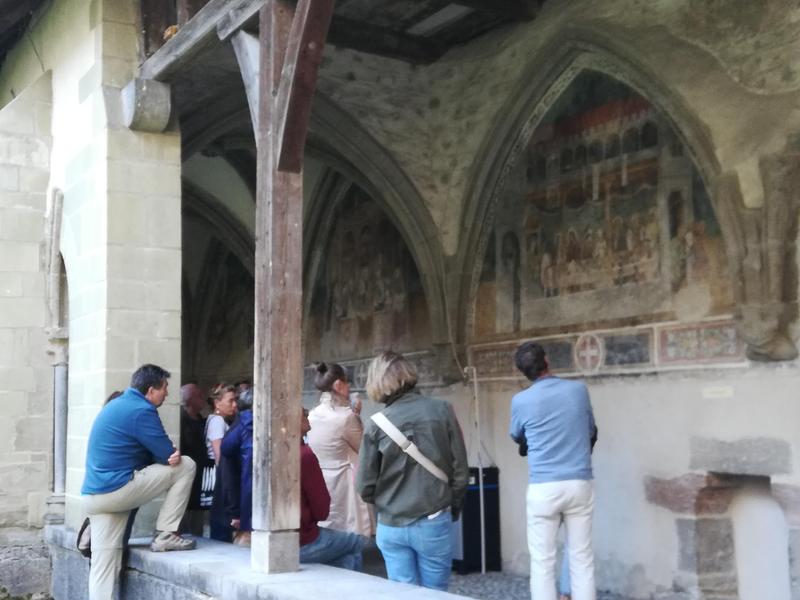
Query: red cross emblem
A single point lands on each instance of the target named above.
(589, 353)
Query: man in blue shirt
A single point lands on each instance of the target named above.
(130, 461)
(554, 418)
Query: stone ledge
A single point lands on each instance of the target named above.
(219, 570)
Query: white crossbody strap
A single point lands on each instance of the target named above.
(408, 446)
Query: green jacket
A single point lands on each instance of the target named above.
(401, 490)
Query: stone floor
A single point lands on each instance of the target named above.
(491, 586)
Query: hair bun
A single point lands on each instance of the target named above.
(322, 368)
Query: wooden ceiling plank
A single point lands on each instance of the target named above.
(517, 10)
(13, 11)
(371, 39)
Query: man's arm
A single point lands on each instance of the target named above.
(312, 484)
(369, 465)
(517, 427)
(149, 432)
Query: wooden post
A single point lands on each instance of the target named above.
(279, 273)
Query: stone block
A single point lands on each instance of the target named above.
(119, 12)
(145, 178)
(24, 570)
(21, 312)
(120, 40)
(165, 353)
(121, 354)
(16, 117)
(33, 434)
(43, 118)
(705, 545)
(24, 151)
(117, 72)
(9, 179)
(10, 287)
(165, 297)
(37, 508)
(19, 379)
(15, 404)
(34, 180)
(154, 265)
(16, 256)
(70, 573)
(21, 225)
(748, 456)
(794, 554)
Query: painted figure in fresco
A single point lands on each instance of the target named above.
(547, 275)
(509, 268)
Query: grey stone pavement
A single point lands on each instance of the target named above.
(491, 586)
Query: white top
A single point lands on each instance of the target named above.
(216, 427)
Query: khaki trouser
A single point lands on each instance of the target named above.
(109, 515)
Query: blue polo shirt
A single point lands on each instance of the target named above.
(126, 436)
(555, 417)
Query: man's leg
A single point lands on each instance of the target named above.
(544, 516)
(578, 519)
(432, 541)
(335, 548)
(108, 530)
(398, 555)
(171, 513)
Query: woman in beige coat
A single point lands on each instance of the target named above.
(335, 438)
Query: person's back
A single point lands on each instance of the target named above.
(553, 422)
(556, 416)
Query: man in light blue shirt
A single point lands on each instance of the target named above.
(554, 418)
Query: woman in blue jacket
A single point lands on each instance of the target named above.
(237, 448)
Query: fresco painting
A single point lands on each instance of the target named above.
(368, 295)
(604, 204)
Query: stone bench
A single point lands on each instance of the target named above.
(216, 570)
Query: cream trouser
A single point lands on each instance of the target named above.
(548, 503)
(108, 514)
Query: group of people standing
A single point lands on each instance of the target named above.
(408, 464)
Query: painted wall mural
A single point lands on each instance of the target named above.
(605, 218)
(368, 295)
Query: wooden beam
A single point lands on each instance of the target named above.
(236, 19)
(371, 39)
(247, 49)
(298, 81)
(517, 10)
(191, 38)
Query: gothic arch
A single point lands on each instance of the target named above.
(572, 52)
(340, 142)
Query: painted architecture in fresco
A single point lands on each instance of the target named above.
(368, 295)
(606, 214)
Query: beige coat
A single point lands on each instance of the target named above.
(335, 438)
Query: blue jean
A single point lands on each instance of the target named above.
(420, 553)
(335, 548)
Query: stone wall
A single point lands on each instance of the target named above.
(26, 374)
(121, 227)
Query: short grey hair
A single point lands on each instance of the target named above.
(389, 374)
